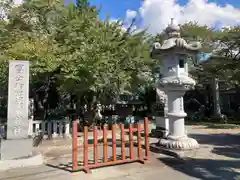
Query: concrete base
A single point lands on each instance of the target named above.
(33, 160)
(15, 148)
(159, 132)
(176, 153)
(182, 143)
(162, 127)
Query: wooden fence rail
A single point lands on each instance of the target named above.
(104, 160)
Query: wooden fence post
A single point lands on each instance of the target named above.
(146, 137)
(75, 146)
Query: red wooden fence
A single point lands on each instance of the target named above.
(106, 161)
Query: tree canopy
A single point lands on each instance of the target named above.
(70, 44)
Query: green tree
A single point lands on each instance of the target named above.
(228, 55)
(84, 54)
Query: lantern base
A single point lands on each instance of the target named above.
(182, 143)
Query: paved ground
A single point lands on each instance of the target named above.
(217, 159)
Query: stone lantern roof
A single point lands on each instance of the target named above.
(174, 42)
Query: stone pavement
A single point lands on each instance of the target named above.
(153, 171)
(128, 172)
(217, 159)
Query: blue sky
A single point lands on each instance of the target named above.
(118, 8)
(155, 15)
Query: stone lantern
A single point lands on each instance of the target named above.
(175, 53)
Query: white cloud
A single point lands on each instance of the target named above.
(130, 14)
(156, 14)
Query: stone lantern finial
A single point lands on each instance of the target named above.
(172, 19)
(173, 31)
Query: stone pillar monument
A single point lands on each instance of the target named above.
(175, 52)
(17, 118)
(16, 150)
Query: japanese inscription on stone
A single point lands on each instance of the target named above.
(18, 88)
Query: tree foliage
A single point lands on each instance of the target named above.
(228, 56)
(72, 45)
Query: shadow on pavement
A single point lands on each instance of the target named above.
(206, 169)
(65, 167)
(223, 144)
(217, 139)
(232, 152)
(68, 166)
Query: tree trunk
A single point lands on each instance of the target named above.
(216, 98)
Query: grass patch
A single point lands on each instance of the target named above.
(216, 125)
(223, 126)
